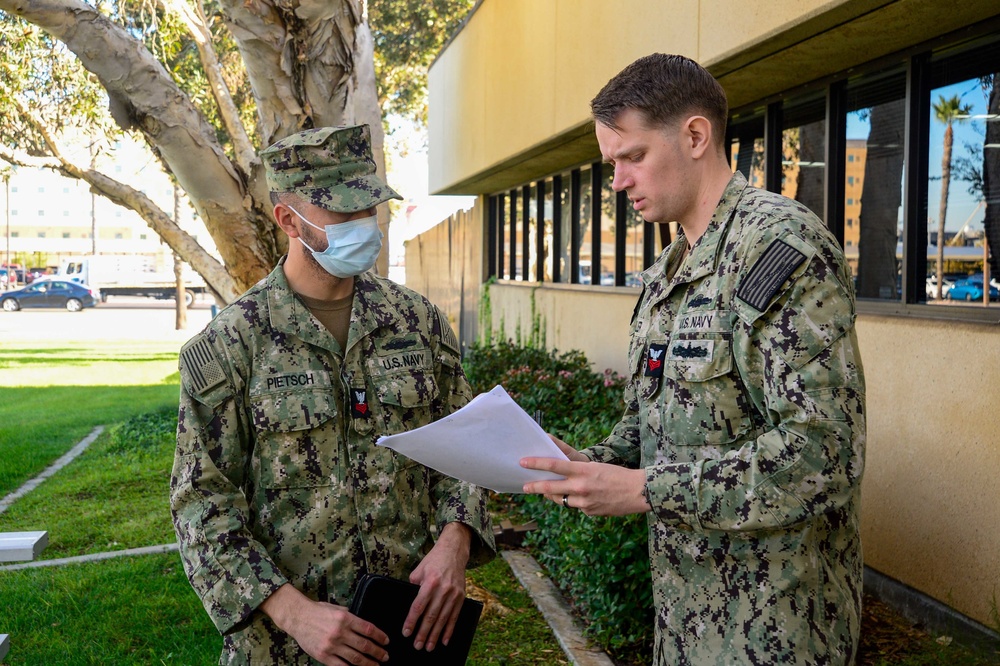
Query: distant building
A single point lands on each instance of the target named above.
(48, 217)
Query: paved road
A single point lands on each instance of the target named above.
(122, 317)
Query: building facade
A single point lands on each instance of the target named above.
(834, 103)
(48, 217)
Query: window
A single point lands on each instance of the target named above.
(876, 123)
(65, 234)
(15, 234)
(41, 234)
(41, 213)
(746, 146)
(803, 151)
(963, 144)
(564, 233)
(605, 249)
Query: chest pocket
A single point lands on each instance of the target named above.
(406, 388)
(296, 437)
(707, 406)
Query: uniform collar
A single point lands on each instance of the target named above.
(288, 314)
(705, 254)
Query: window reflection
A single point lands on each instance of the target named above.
(566, 229)
(964, 165)
(875, 140)
(608, 199)
(803, 143)
(586, 218)
(747, 147)
(531, 239)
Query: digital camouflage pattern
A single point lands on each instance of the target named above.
(331, 167)
(746, 408)
(277, 477)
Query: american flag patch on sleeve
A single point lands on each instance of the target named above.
(770, 272)
(202, 366)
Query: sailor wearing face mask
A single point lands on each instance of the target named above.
(280, 498)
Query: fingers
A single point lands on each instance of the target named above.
(436, 609)
(570, 452)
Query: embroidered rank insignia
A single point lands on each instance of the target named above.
(770, 272)
(202, 367)
(654, 360)
(359, 403)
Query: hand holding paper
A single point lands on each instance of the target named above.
(482, 443)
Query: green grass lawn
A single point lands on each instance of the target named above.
(52, 397)
(140, 609)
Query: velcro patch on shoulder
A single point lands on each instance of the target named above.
(203, 368)
(448, 337)
(777, 263)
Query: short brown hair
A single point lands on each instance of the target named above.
(663, 87)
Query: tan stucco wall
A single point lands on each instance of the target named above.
(931, 492)
(509, 95)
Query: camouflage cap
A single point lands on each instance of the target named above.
(331, 167)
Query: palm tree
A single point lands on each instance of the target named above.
(948, 111)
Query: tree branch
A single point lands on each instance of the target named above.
(196, 25)
(144, 95)
(124, 195)
(300, 59)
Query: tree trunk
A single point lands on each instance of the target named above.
(880, 201)
(943, 208)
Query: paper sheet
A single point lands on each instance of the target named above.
(481, 443)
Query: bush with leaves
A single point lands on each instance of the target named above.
(602, 564)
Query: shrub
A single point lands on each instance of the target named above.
(602, 564)
(144, 432)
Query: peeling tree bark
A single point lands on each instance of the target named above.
(300, 57)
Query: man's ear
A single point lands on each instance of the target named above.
(286, 219)
(698, 132)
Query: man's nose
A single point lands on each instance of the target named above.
(621, 180)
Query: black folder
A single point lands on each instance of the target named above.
(385, 602)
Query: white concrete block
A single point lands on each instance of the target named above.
(22, 546)
(4, 646)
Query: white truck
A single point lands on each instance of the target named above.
(129, 275)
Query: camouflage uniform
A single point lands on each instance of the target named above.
(277, 478)
(745, 407)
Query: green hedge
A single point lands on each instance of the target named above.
(602, 564)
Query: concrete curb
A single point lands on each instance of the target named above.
(93, 557)
(548, 599)
(67, 458)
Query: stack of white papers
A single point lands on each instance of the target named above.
(482, 443)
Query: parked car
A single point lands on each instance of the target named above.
(946, 285)
(51, 294)
(971, 290)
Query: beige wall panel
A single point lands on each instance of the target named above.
(725, 28)
(593, 321)
(930, 502)
(524, 71)
(456, 103)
